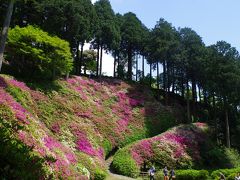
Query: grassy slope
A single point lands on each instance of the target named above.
(68, 127)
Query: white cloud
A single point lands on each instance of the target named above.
(93, 1)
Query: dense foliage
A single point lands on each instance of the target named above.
(32, 52)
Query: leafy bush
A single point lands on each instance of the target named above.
(223, 158)
(100, 175)
(192, 174)
(231, 176)
(187, 175)
(124, 164)
(233, 157)
(32, 52)
(226, 172)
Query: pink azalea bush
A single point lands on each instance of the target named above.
(179, 147)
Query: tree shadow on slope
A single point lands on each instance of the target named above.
(46, 86)
(157, 117)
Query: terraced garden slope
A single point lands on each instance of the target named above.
(64, 129)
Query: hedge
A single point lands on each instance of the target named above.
(187, 175)
(227, 173)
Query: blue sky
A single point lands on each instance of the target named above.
(213, 20)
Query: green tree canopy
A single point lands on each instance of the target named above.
(131, 34)
(34, 52)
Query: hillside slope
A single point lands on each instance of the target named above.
(64, 129)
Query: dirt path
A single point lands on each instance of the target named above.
(113, 176)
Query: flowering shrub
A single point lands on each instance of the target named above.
(178, 148)
(189, 174)
(72, 124)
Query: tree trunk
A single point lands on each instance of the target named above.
(136, 67)
(205, 97)
(227, 123)
(199, 94)
(214, 115)
(101, 55)
(5, 31)
(165, 82)
(173, 81)
(142, 67)
(118, 63)
(168, 77)
(114, 65)
(97, 68)
(157, 75)
(194, 97)
(77, 64)
(182, 86)
(194, 93)
(188, 104)
(81, 58)
(130, 62)
(164, 75)
(85, 70)
(150, 75)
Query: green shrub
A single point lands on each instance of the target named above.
(124, 164)
(231, 176)
(35, 53)
(226, 172)
(233, 157)
(192, 174)
(187, 175)
(100, 175)
(159, 175)
(223, 158)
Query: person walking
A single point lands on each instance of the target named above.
(165, 173)
(172, 174)
(152, 173)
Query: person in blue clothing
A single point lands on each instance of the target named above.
(152, 173)
(172, 174)
(165, 173)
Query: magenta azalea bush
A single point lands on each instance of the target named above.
(178, 147)
(71, 125)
